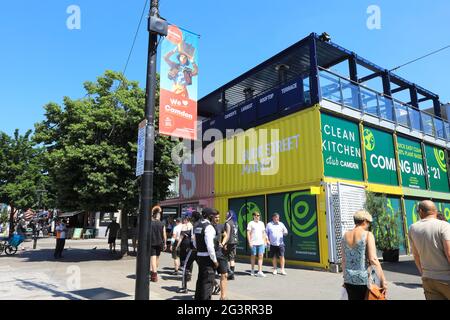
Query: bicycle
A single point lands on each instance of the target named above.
(10, 246)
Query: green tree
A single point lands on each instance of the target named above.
(91, 148)
(22, 172)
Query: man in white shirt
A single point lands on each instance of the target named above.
(276, 230)
(257, 238)
(174, 248)
(60, 238)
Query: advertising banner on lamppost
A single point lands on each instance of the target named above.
(178, 84)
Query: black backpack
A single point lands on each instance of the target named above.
(233, 239)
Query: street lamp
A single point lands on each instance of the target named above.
(156, 27)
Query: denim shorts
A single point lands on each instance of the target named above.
(258, 250)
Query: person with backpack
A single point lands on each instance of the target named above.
(230, 247)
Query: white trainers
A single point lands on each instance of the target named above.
(283, 272)
(274, 272)
(261, 274)
(252, 273)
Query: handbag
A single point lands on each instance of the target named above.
(374, 292)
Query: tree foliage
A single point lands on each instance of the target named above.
(22, 173)
(385, 225)
(92, 143)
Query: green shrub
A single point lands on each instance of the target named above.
(385, 225)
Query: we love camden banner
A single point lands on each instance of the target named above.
(179, 84)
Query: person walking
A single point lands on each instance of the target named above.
(113, 229)
(184, 243)
(257, 239)
(230, 246)
(358, 247)
(276, 231)
(206, 255)
(60, 230)
(220, 242)
(174, 247)
(430, 244)
(158, 242)
(191, 254)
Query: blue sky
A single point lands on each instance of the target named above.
(42, 60)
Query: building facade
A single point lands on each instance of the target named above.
(294, 136)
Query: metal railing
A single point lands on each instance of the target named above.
(346, 92)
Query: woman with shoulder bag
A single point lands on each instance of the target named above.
(359, 250)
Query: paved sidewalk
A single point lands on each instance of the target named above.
(88, 271)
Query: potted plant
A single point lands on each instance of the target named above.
(386, 226)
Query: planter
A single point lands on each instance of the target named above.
(391, 255)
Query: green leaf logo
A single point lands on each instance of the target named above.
(303, 219)
(369, 140)
(440, 158)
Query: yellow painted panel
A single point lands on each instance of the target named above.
(378, 188)
(282, 153)
(322, 225)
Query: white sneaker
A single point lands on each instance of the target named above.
(252, 273)
(261, 274)
(274, 272)
(283, 272)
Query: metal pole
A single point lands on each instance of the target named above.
(142, 290)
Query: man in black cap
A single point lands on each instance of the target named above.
(206, 255)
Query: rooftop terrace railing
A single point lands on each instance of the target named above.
(346, 92)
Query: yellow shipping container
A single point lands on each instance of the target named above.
(283, 153)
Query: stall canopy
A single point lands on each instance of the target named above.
(69, 214)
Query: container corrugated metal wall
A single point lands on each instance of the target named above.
(298, 148)
(196, 181)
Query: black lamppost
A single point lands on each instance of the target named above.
(156, 27)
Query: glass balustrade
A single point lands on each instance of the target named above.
(427, 121)
(439, 128)
(369, 100)
(401, 114)
(414, 119)
(331, 89)
(346, 92)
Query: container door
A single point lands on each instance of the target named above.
(304, 227)
(240, 208)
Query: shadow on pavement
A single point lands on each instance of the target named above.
(30, 285)
(404, 267)
(408, 285)
(174, 278)
(68, 256)
(100, 294)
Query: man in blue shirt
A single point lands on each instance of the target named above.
(276, 230)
